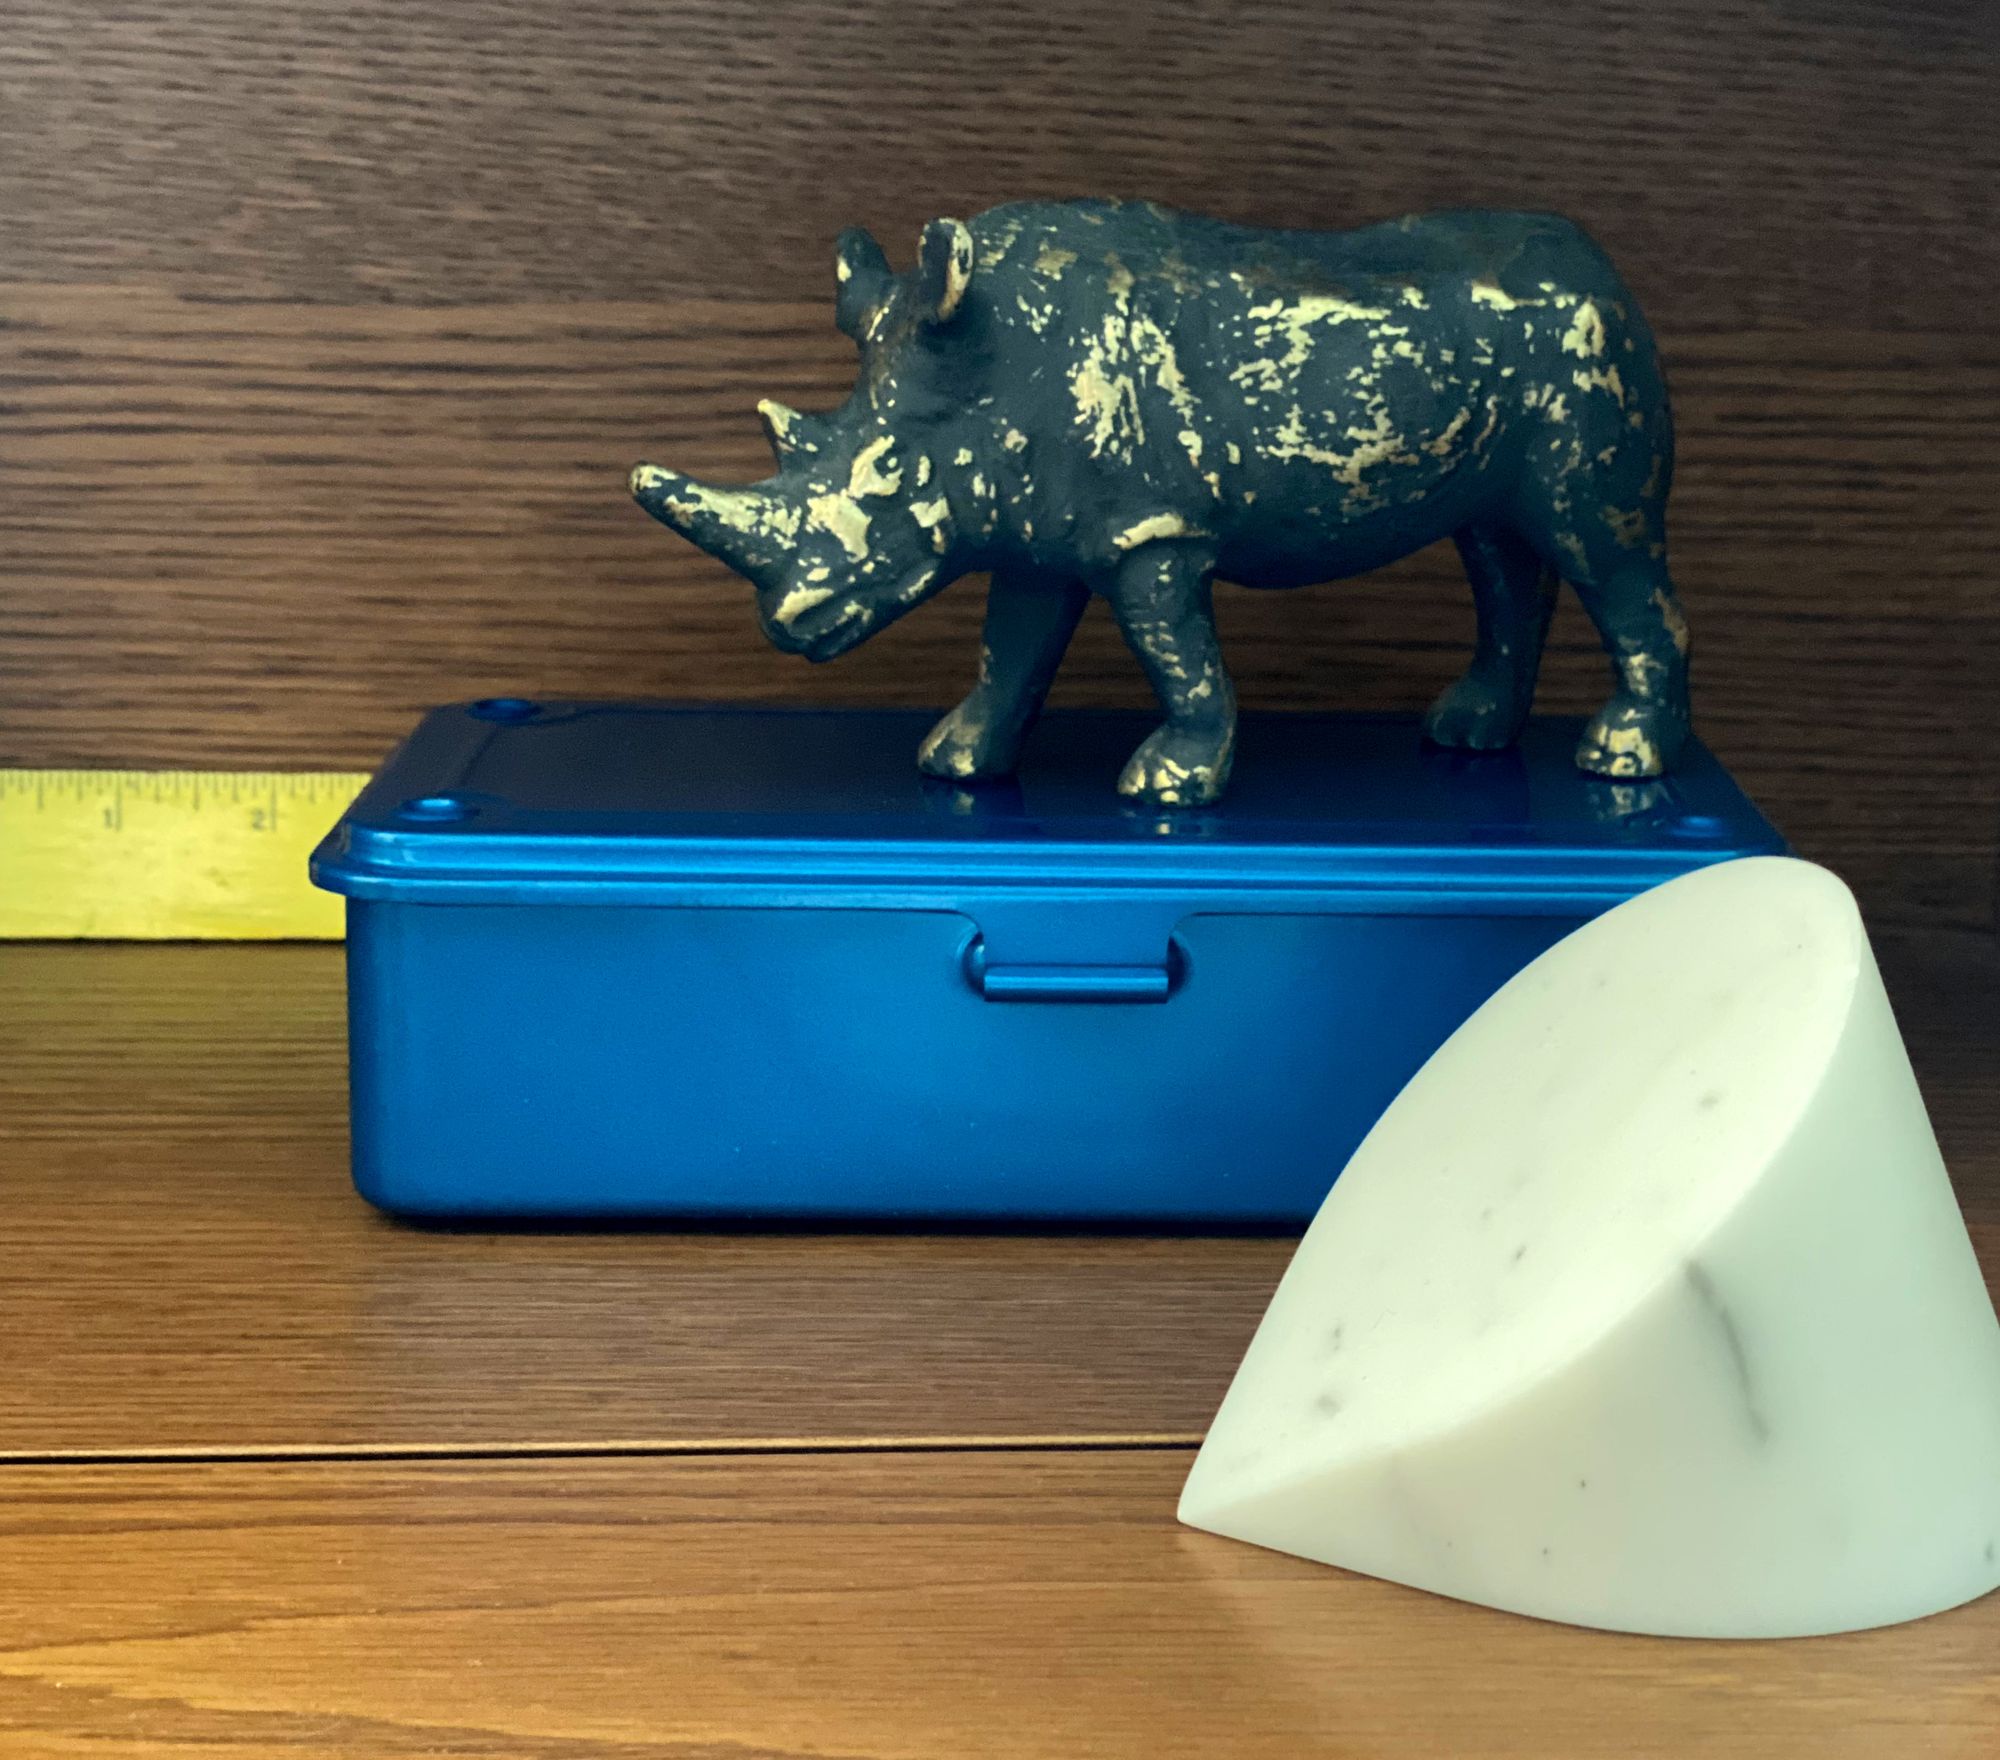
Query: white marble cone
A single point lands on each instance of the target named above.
(1647, 1304)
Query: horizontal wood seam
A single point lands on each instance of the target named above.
(306, 1453)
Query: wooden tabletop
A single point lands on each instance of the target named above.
(280, 1476)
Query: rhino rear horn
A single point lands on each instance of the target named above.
(944, 269)
(791, 434)
(865, 282)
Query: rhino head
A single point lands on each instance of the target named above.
(856, 526)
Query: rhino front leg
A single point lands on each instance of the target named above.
(1029, 621)
(1640, 732)
(1165, 608)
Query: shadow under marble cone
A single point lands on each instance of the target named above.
(1647, 1304)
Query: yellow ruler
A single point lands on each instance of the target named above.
(166, 855)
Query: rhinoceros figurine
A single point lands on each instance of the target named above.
(1116, 398)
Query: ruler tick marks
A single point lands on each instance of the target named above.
(166, 854)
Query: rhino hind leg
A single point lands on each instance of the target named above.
(1029, 622)
(1605, 534)
(1619, 571)
(1513, 596)
(1164, 604)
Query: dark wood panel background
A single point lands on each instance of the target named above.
(327, 334)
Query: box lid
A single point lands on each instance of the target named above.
(509, 801)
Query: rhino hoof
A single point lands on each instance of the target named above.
(962, 747)
(1626, 740)
(1177, 770)
(1474, 715)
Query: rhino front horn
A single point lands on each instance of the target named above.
(735, 526)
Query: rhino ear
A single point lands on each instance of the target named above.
(944, 269)
(864, 281)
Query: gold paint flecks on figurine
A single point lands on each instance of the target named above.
(1113, 398)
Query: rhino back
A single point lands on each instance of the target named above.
(1320, 401)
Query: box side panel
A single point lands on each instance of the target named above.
(793, 1063)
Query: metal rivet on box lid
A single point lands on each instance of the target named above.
(505, 709)
(1698, 827)
(436, 809)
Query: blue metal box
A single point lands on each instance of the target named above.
(637, 960)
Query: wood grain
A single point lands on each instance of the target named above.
(327, 335)
(892, 1606)
(184, 1268)
(235, 540)
(1785, 163)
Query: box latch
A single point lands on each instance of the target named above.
(1075, 959)
(999, 983)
